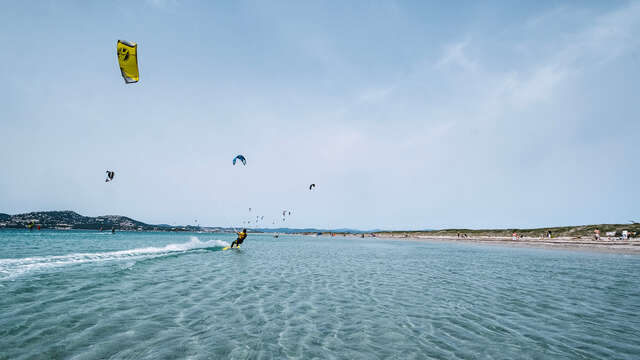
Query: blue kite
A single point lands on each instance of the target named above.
(241, 158)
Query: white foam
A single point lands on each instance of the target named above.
(10, 268)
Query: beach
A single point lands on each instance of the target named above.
(559, 243)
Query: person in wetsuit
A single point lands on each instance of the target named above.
(241, 236)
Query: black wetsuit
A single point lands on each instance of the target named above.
(240, 239)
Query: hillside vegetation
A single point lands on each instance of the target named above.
(71, 220)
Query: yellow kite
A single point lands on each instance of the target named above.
(128, 60)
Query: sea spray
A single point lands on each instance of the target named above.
(12, 267)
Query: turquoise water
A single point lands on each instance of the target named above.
(90, 295)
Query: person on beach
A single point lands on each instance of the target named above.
(241, 236)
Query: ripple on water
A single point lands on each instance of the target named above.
(162, 296)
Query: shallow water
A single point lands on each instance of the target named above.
(88, 295)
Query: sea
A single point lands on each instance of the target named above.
(160, 295)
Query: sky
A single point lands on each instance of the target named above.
(405, 114)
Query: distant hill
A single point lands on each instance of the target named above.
(71, 220)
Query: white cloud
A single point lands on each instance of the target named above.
(455, 55)
(520, 87)
(611, 35)
(163, 4)
(375, 94)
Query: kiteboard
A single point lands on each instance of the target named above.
(229, 247)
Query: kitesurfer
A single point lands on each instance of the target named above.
(241, 236)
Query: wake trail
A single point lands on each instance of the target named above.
(10, 268)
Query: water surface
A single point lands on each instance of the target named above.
(88, 295)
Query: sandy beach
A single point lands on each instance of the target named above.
(560, 243)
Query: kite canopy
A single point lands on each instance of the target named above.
(128, 60)
(312, 186)
(241, 158)
(110, 175)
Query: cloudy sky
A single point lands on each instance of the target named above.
(406, 114)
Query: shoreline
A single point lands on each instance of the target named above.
(627, 247)
(562, 243)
